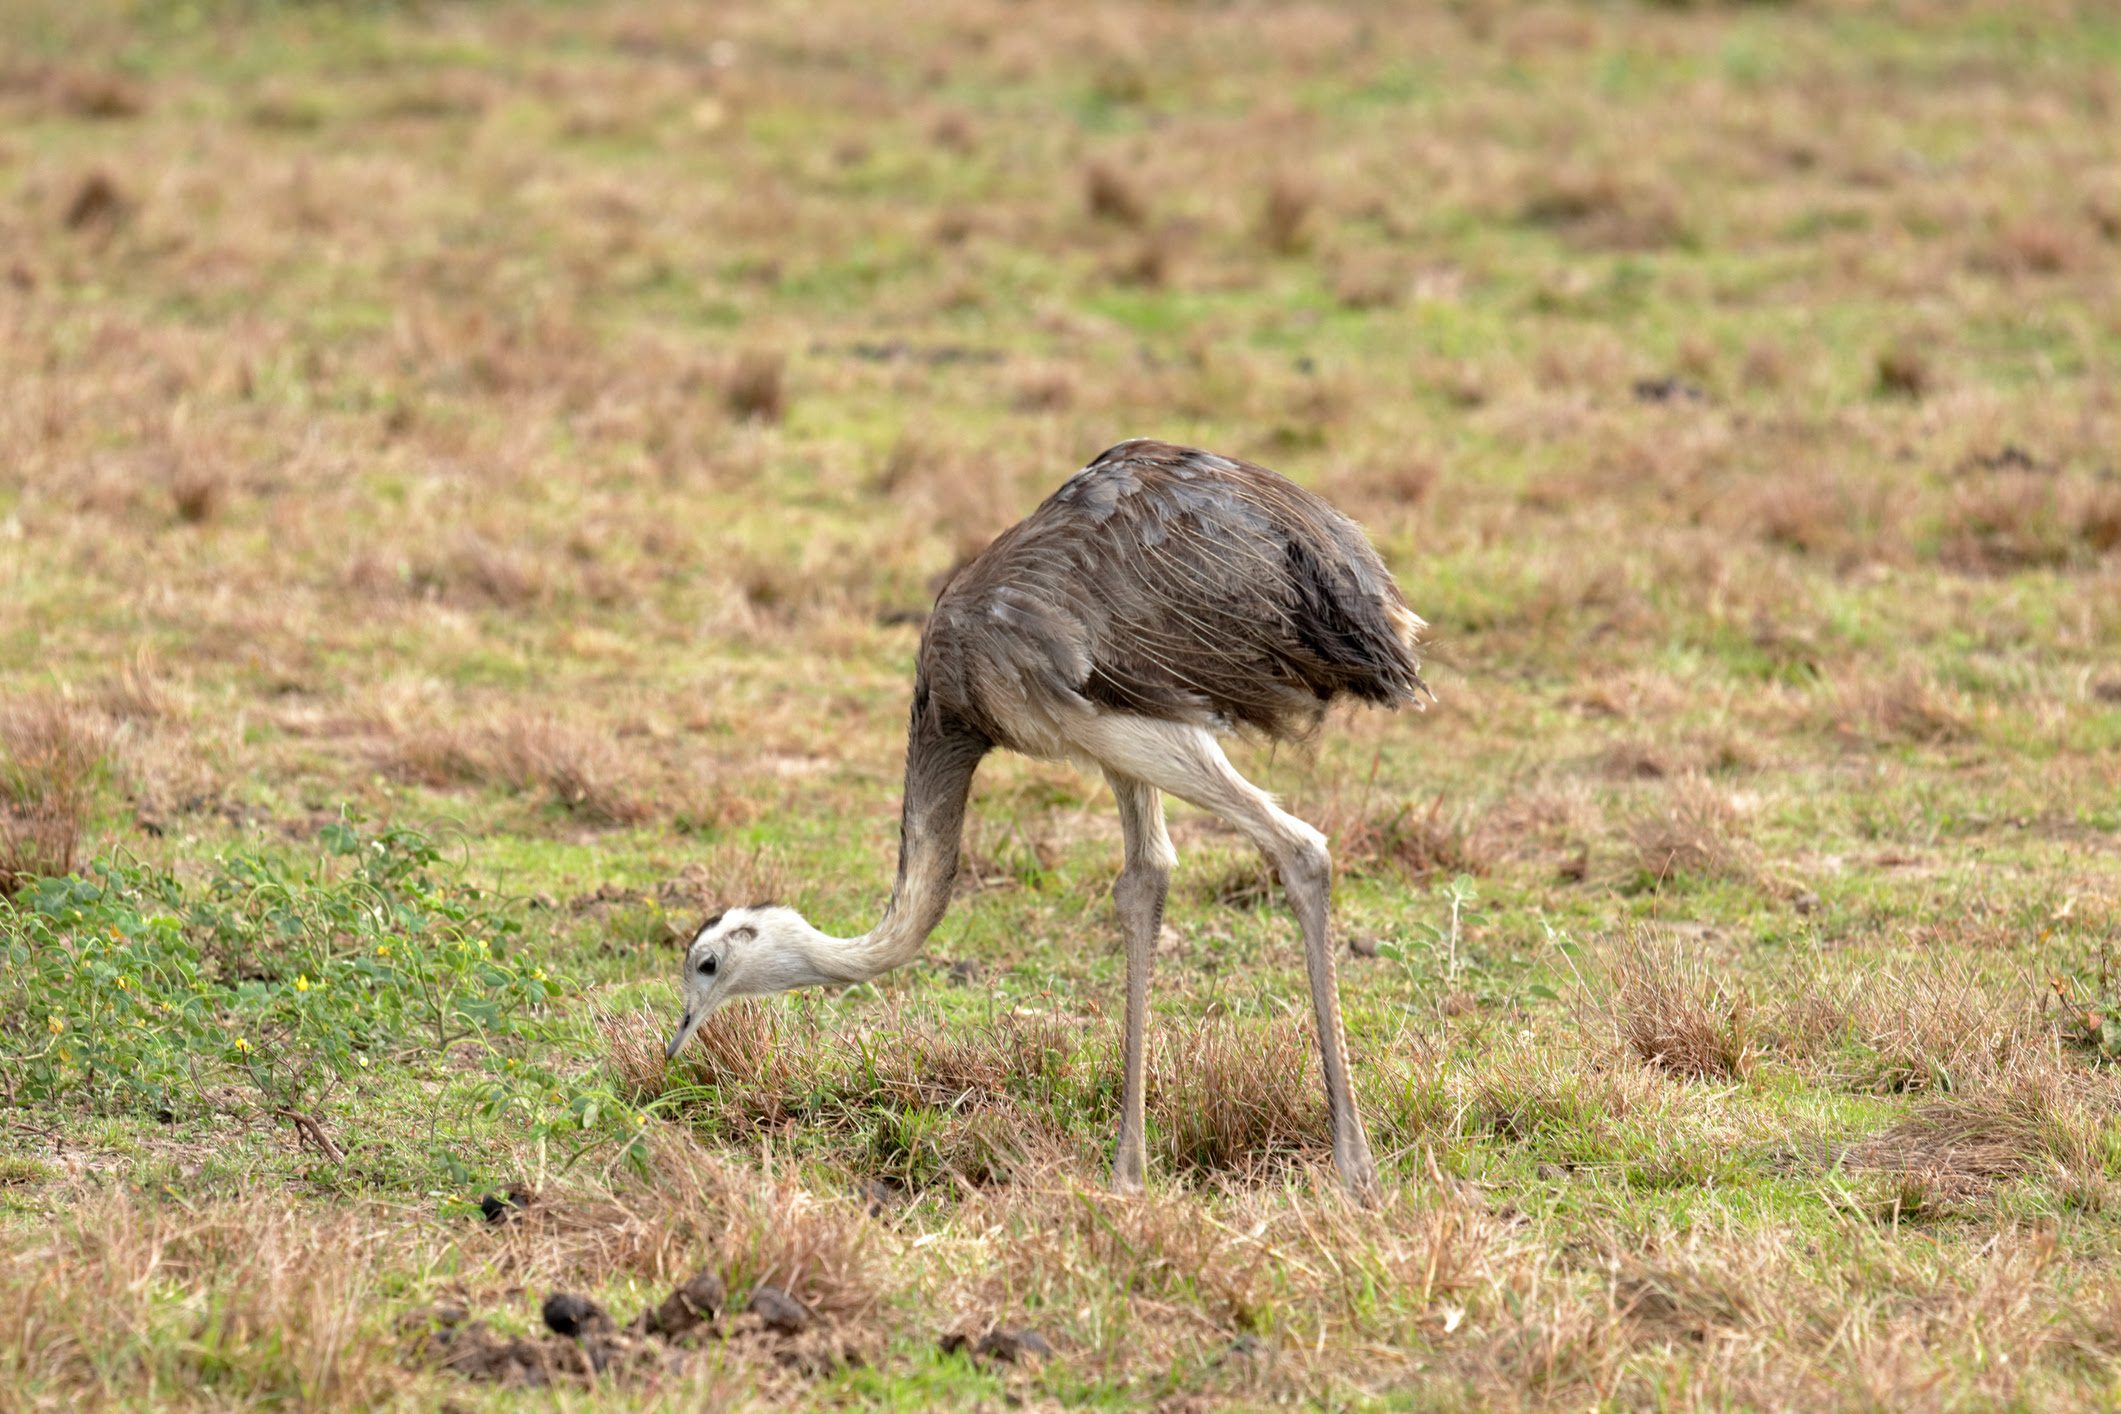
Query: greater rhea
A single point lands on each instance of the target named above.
(1162, 598)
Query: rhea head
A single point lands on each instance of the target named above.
(747, 952)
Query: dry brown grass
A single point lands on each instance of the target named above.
(1822, 511)
(1236, 1101)
(1285, 214)
(767, 1069)
(1755, 1318)
(1417, 842)
(140, 692)
(52, 757)
(258, 1299)
(579, 768)
(1111, 195)
(273, 1303)
(197, 494)
(1224, 1101)
(756, 387)
(1605, 210)
(1905, 370)
(1932, 1025)
(2009, 519)
(1672, 1010)
(1212, 1283)
(1955, 1148)
(99, 206)
(478, 570)
(1907, 705)
(1693, 827)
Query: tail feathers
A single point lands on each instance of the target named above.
(1408, 626)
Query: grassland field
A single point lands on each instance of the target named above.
(471, 478)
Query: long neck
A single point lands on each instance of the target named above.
(941, 755)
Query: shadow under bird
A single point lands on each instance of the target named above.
(1162, 598)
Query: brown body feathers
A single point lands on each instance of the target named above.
(1170, 583)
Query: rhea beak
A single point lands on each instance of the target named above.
(687, 1024)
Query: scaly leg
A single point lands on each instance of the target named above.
(1139, 895)
(1189, 763)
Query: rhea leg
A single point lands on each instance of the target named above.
(1139, 895)
(1189, 763)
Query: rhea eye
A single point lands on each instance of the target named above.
(707, 965)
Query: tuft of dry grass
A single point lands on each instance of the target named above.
(2015, 518)
(1603, 209)
(1413, 842)
(139, 692)
(1904, 370)
(915, 1097)
(1693, 828)
(250, 1299)
(476, 570)
(580, 768)
(694, 1209)
(1046, 389)
(1285, 215)
(1938, 1026)
(1953, 1148)
(440, 756)
(98, 206)
(1147, 266)
(1215, 1282)
(197, 495)
(1907, 705)
(1110, 195)
(2037, 247)
(1817, 511)
(1383, 488)
(1672, 1012)
(100, 94)
(1765, 366)
(2036, 1121)
(52, 756)
(1230, 1100)
(755, 389)
(258, 1299)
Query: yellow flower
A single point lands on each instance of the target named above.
(58, 1024)
(302, 983)
(383, 951)
(241, 1044)
(125, 982)
(537, 974)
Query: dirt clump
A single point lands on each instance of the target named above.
(586, 1344)
(1012, 1345)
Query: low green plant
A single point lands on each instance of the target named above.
(125, 990)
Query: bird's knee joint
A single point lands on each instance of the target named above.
(1307, 862)
(1141, 883)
